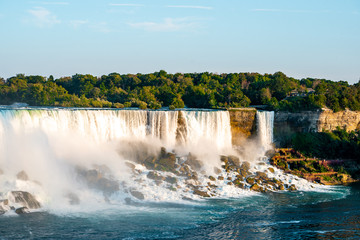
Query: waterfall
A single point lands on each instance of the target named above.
(108, 125)
(265, 124)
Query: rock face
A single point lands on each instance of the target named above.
(243, 124)
(287, 123)
(25, 199)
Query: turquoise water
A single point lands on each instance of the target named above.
(334, 214)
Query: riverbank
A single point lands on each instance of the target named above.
(327, 172)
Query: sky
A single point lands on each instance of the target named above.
(301, 38)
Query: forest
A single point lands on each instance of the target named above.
(193, 90)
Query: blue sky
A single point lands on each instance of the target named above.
(302, 38)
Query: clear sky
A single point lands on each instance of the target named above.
(302, 38)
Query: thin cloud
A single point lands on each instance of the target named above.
(266, 10)
(190, 6)
(126, 5)
(52, 3)
(78, 23)
(167, 25)
(42, 17)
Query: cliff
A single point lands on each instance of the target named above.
(287, 123)
(243, 124)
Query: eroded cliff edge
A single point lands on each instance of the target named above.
(243, 124)
(288, 123)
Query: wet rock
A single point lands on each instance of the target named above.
(1, 172)
(217, 171)
(73, 198)
(292, 188)
(212, 178)
(171, 180)
(250, 180)
(4, 206)
(22, 176)
(271, 170)
(150, 161)
(220, 178)
(201, 193)
(238, 183)
(229, 183)
(281, 187)
(261, 175)
(137, 194)
(130, 165)
(22, 210)
(229, 178)
(193, 162)
(25, 199)
(234, 160)
(95, 179)
(245, 166)
(256, 188)
(154, 176)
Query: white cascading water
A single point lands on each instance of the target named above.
(50, 145)
(265, 123)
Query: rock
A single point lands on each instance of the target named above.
(261, 175)
(171, 180)
(26, 199)
(220, 178)
(212, 178)
(245, 166)
(73, 198)
(270, 169)
(292, 188)
(137, 194)
(281, 187)
(256, 188)
(22, 176)
(130, 165)
(229, 178)
(201, 193)
(229, 183)
(166, 162)
(4, 206)
(22, 210)
(153, 175)
(193, 162)
(250, 180)
(1, 172)
(217, 171)
(234, 160)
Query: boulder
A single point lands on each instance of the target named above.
(166, 162)
(22, 176)
(22, 210)
(245, 166)
(292, 188)
(270, 169)
(137, 194)
(26, 199)
(95, 179)
(250, 180)
(217, 171)
(201, 193)
(256, 188)
(212, 178)
(171, 180)
(154, 176)
(220, 178)
(73, 198)
(234, 160)
(4, 206)
(193, 162)
(130, 165)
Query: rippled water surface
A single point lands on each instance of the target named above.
(333, 214)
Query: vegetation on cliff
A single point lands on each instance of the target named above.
(197, 90)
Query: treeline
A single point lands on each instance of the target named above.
(195, 90)
(338, 144)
